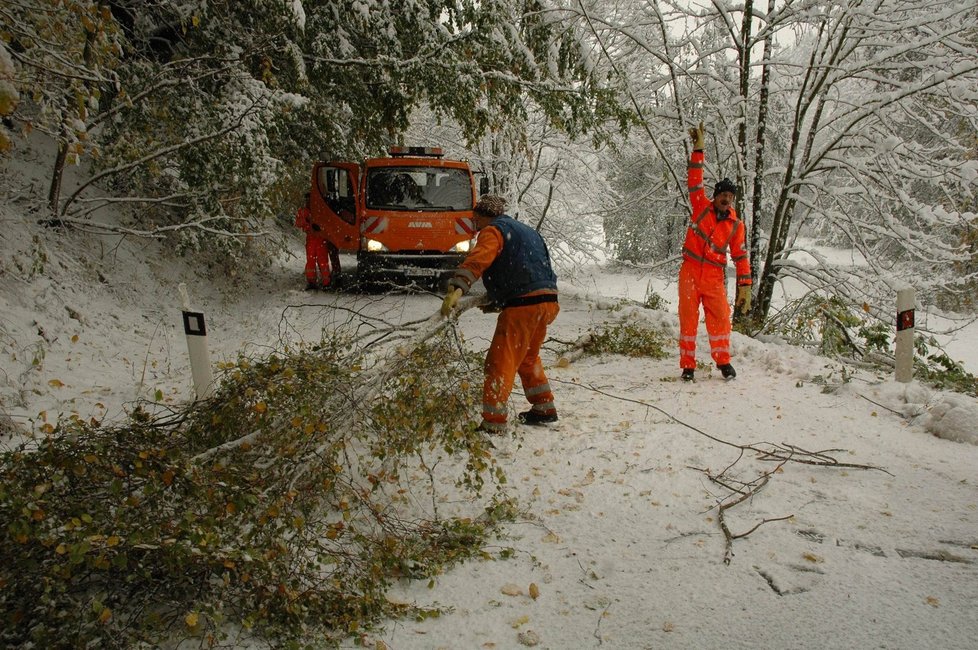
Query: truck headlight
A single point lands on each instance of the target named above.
(375, 246)
(462, 247)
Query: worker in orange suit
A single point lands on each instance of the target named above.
(317, 256)
(714, 230)
(513, 261)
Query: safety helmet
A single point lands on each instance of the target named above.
(491, 205)
(725, 185)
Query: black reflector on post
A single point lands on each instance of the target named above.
(193, 323)
(905, 320)
(903, 340)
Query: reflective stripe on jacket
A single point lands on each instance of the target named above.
(709, 238)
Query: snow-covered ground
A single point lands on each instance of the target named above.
(620, 535)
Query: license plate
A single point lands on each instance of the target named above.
(427, 273)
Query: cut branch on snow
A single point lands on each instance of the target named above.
(782, 454)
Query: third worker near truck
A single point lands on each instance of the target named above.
(714, 230)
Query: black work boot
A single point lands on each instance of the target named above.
(537, 418)
(688, 374)
(727, 371)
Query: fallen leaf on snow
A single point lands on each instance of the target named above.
(528, 638)
(597, 603)
(520, 622)
(511, 589)
(588, 478)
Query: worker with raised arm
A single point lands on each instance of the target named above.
(713, 231)
(514, 263)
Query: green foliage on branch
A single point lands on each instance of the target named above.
(207, 116)
(630, 340)
(838, 329)
(938, 369)
(284, 507)
(831, 325)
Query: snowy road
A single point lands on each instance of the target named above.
(620, 532)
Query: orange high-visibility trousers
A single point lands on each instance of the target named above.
(317, 257)
(703, 284)
(515, 349)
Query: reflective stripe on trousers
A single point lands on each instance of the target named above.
(515, 349)
(703, 284)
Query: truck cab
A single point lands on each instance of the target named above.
(407, 216)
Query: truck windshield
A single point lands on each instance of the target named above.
(419, 188)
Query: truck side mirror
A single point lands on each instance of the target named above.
(483, 185)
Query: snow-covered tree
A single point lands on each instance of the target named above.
(214, 110)
(850, 120)
(64, 55)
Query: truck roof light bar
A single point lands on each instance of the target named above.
(400, 152)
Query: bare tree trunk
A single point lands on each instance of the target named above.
(550, 197)
(754, 245)
(499, 183)
(826, 55)
(57, 174)
(745, 48)
(784, 206)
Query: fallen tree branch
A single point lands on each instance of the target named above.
(385, 365)
(744, 493)
(783, 454)
(574, 350)
(773, 452)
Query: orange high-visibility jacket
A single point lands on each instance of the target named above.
(515, 347)
(303, 219)
(708, 238)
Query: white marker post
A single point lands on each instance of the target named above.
(904, 334)
(200, 359)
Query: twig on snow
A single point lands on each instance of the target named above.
(766, 451)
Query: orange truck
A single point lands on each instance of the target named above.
(407, 216)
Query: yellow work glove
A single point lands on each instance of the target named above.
(742, 303)
(449, 302)
(698, 136)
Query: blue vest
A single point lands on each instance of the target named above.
(522, 266)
